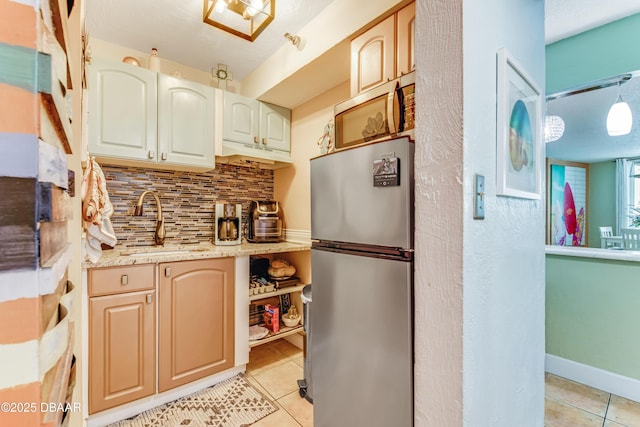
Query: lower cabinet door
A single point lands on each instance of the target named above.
(196, 320)
(121, 349)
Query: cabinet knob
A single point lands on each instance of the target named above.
(264, 141)
(149, 298)
(152, 154)
(167, 272)
(163, 156)
(255, 140)
(124, 279)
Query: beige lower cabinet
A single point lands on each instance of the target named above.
(196, 320)
(122, 348)
(195, 327)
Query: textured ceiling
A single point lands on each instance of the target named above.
(176, 29)
(565, 18)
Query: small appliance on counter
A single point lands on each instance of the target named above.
(227, 224)
(265, 222)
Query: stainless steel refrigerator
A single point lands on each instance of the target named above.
(362, 279)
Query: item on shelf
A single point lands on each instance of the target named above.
(281, 269)
(285, 302)
(272, 317)
(289, 281)
(260, 285)
(257, 332)
(292, 318)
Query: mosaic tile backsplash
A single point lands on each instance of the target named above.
(188, 200)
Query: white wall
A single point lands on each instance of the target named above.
(479, 283)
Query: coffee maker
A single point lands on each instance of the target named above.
(265, 222)
(227, 224)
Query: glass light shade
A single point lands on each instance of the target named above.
(243, 18)
(553, 128)
(619, 119)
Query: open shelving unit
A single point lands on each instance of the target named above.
(301, 260)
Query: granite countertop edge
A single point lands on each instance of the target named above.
(122, 256)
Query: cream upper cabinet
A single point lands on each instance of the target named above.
(254, 130)
(384, 52)
(241, 119)
(372, 57)
(140, 117)
(405, 36)
(185, 122)
(123, 113)
(275, 127)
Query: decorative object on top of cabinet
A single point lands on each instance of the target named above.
(325, 142)
(384, 52)
(254, 130)
(138, 117)
(222, 74)
(154, 60)
(131, 61)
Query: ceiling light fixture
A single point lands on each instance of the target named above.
(242, 18)
(619, 119)
(553, 128)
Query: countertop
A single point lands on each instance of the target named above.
(120, 256)
(581, 252)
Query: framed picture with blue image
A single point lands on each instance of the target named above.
(567, 197)
(519, 159)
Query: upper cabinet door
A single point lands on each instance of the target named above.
(186, 122)
(373, 56)
(122, 110)
(406, 39)
(241, 119)
(275, 127)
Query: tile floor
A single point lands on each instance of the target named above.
(275, 367)
(570, 404)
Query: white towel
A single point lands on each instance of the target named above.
(96, 212)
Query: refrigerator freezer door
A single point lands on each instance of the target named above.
(350, 204)
(362, 341)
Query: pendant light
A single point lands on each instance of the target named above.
(619, 119)
(553, 128)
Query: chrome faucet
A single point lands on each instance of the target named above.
(160, 231)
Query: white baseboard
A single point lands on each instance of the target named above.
(610, 382)
(299, 236)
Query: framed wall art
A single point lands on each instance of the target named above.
(519, 131)
(567, 198)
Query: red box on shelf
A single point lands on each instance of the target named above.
(272, 317)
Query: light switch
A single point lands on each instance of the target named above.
(478, 202)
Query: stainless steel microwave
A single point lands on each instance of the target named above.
(385, 111)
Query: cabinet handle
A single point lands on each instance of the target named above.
(163, 156)
(152, 154)
(255, 140)
(264, 141)
(124, 279)
(149, 298)
(167, 272)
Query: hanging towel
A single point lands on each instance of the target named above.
(96, 212)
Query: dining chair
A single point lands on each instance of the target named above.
(631, 238)
(606, 232)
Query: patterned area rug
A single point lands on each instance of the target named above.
(231, 403)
